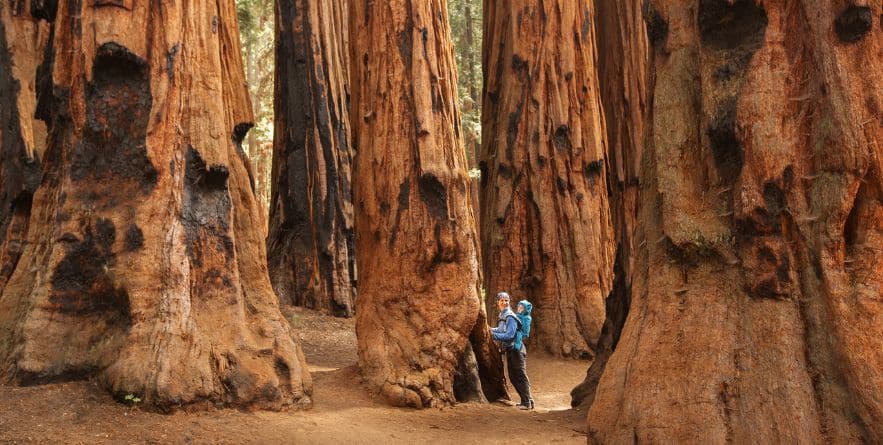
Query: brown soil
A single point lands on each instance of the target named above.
(81, 412)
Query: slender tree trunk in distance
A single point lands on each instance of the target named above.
(22, 138)
(623, 61)
(422, 333)
(755, 312)
(251, 78)
(545, 222)
(312, 260)
(469, 42)
(472, 145)
(145, 266)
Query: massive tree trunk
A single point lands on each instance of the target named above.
(545, 222)
(144, 265)
(755, 313)
(22, 138)
(312, 262)
(623, 61)
(416, 242)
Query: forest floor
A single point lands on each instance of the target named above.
(343, 411)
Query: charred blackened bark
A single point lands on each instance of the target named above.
(145, 265)
(755, 311)
(311, 252)
(22, 138)
(623, 59)
(417, 248)
(545, 222)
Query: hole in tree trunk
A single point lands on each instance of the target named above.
(657, 27)
(725, 146)
(434, 195)
(118, 104)
(44, 9)
(729, 25)
(853, 23)
(206, 210)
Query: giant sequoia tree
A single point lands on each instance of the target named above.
(420, 324)
(545, 222)
(755, 312)
(312, 262)
(623, 58)
(22, 138)
(145, 265)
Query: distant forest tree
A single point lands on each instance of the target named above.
(465, 17)
(256, 35)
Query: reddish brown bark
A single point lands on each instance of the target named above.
(545, 223)
(145, 265)
(22, 138)
(311, 252)
(419, 322)
(756, 299)
(623, 62)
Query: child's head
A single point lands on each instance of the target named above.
(520, 308)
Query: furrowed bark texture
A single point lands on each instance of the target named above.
(415, 235)
(545, 221)
(755, 313)
(145, 265)
(22, 138)
(623, 60)
(311, 255)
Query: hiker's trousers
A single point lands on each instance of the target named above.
(517, 363)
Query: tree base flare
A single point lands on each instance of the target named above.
(145, 264)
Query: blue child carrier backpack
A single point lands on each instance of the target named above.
(525, 319)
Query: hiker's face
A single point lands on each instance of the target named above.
(520, 308)
(501, 303)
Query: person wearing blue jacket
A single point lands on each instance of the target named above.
(509, 333)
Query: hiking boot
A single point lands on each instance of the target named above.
(526, 406)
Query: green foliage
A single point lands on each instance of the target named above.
(466, 31)
(131, 398)
(256, 34)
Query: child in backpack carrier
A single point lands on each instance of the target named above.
(523, 312)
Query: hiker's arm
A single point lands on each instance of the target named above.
(509, 333)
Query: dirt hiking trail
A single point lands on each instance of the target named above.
(343, 412)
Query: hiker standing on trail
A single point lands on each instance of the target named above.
(510, 334)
